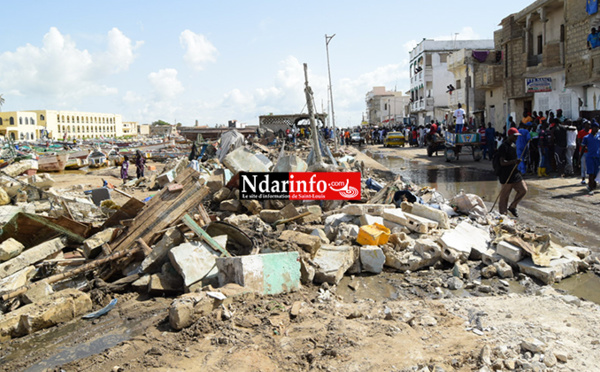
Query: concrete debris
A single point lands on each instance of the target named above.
(372, 259)
(331, 262)
(194, 261)
(10, 248)
(309, 243)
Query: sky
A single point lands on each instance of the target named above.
(184, 61)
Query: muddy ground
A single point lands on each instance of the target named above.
(387, 322)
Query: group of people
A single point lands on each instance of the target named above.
(140, 163)
(544, 143)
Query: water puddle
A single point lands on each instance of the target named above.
(57, 342)
(583, 285)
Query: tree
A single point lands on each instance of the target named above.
(160, 122)
(1, 101)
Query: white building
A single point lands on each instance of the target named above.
(430, 78)
(386, 107)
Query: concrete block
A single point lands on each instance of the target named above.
(243, 160)
(166, 178)
(231, 205)
(321, 234)
(394, 215)
(10, 248)
(270, 215)
(38, 292)
(215, 182)
(510, 252)
(182, 311)
(161, 283)
(18, 279)
(59, 307)
(308, 243)
(419, 224)
(459, 243)
(194, 261)
(367, 219)
(92, 246)
(157, 257)
(580, 252)
(503, 269)
(433, 214)
(270, 273)
(372, 259)
(289, 211)
(290, 163)
(395, 227)
(332, 262)
(347, 232)
(315, 216)
(31, 256)
(558, 269)
(307, 271)
(360, 209)
(221, 195)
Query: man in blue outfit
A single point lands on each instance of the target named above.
(591, 143)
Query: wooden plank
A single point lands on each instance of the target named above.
(163, 215)
(31, 229)
(189, 222)
(128, 211)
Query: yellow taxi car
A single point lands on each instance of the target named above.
(393, 139)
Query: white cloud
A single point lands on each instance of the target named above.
(61, 70)
(199, 50)
(165, 84)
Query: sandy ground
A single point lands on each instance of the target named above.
(388, 322)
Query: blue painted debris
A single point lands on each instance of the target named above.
(99, 313)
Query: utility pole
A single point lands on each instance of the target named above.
(335, 136)
(467, 83)
(318, 158)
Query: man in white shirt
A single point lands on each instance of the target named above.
(571, 145)
(459, 114)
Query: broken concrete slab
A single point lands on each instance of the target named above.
(31, 256)
(503, 269)
(510, 252)
(558, 269)
(580, 252)
(290, 163)
(182, 312)
(165, 178)
(316, 214)
(10, 248)
(171, 238)
(194, 261)
(367, 219)
(459, 243)
(243, 160)
(372, 259)
(289, 211)
(321, 234)
(18, 279)
(360, 209)
(395, 215)
(222, 194)
(92, 246)
(309, 243)
(59, 307)
(332, 262)
(269, 273)
(270, 215)
(231, 205)
(39, 291)
(426, 253)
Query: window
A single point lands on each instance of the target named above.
(21, 122)
(26, 121)
(458, 84)
(385, 106)
(22, 136)
(562, 33)
(443, 57)
(428, 60)
(42, 118)
(539, 44)
(32, 121)
(0, 121)
(491, 93)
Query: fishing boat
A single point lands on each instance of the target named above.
(97, 159)
(76, 163)
(52, 161)
(114, 157)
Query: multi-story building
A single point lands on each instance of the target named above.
(490, 80)
(53, 124)
(430, 78)
(144, 129)
(130, 128)
(582, 75)
(20, 125)
(386, 107)
(534, 43)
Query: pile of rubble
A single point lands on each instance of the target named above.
(197, 238)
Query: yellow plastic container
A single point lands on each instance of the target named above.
(375, 234)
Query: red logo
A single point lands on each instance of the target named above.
(325, 186)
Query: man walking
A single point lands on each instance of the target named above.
(510, 177)
(591, 143)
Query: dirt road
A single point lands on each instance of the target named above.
(555, 205)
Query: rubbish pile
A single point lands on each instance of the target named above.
(198, 240)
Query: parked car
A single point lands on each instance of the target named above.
(394, 139)
(356, 139)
